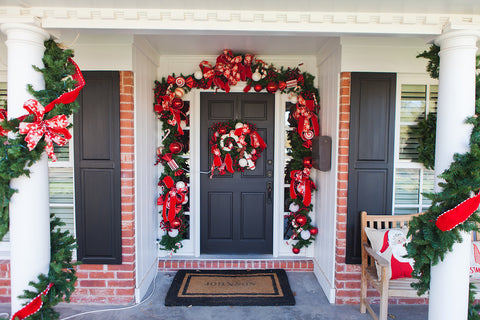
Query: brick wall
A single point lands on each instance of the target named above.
(115, 284)
(347, 276)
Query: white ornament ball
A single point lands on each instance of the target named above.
(293, 207)
(179, 92)
(238, 125)
(305, 234)
(173, 233)
(256, 76)
(180, 185)
(294, 99)
(185, 200)
(198, 74)
(242, 162)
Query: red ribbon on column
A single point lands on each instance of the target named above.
(33, 306)
(69, 96)
(453, 217)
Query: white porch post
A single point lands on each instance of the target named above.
(456, 102)
(29, 207)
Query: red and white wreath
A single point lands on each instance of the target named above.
(235, 146)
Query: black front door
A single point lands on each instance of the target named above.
(237, 209)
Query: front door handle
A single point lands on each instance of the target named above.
(269, 192)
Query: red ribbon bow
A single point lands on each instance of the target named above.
(227, 163)
(173, 199)
(301, 185)
(53, 129)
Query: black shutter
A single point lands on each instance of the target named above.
(371, 156)
(97, 169)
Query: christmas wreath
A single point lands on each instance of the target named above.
(235, 146)
(229, 152)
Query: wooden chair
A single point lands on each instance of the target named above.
(386, 287)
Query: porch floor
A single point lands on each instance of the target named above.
(311, 303)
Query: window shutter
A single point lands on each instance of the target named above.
(371, 153)
(97, 170)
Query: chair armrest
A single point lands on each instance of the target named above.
(380, 260)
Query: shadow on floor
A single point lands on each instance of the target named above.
(311, 303)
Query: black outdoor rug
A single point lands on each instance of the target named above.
(230, 288)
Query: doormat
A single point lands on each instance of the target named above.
(230, 288)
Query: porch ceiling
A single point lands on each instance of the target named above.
(353, 6)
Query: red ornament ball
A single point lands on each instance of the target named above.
(301, 220)
(257, 87)
(295, 250)
(222, 130)
(176, 223)
(177, 103)
(272, 87)
(175, 147)
(314, 231)
(308, 162)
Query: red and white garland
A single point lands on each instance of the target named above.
(235, 146)
(230, 147)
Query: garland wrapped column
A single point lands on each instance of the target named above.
(29, 206)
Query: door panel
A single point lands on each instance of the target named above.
(236, 216)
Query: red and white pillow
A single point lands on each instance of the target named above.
(391, 245)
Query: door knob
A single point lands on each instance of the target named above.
(269, 192)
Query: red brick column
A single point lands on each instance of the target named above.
(347, 277)
(115, 284)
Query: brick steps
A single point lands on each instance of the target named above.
(303, 265)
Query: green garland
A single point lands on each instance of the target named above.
(429, 244)
(15, 162)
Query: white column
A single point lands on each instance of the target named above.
(29, 207)
(456, 102)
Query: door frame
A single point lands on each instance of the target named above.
(278, 158)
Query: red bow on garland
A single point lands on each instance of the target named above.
(301, 184)
(32, 307)
(307, 119)
(54, 129)
(173, 199)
